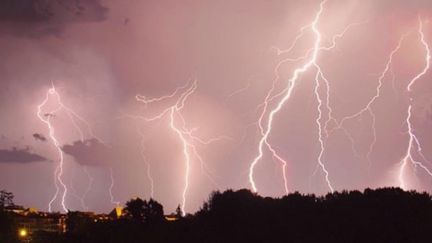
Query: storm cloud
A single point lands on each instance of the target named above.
(36, 18)
(39, 137)
(90, 152)
(15, 155)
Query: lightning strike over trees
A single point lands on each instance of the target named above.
(148, 165)
(267, 115)
(413, 141)
(58, 173)
(111, 187)
(177, 124)
(334, 93)
(286, 95)
(47, 117)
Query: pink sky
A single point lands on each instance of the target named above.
(101, 58)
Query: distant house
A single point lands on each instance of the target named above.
(171, 217)
(33, 221)
(117, 212)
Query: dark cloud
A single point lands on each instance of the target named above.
(19, 156)
(36, 18)
(90, 152)
(39, 137)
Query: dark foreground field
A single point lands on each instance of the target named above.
(382, 215)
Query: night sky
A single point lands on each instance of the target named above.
(212, 64)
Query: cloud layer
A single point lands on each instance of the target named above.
(21, 156)
(90, 152)
(36, 18)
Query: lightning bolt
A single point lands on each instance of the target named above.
(322, 127)
(190, 142)
(271, 97)
(73, 190)
(117, 203)
(148, 171)
(186, 146)
(319, 75)
(89, 187)
(172, 111)
(237, 92)
(58, 173)
(46, 118)
(367, 109)
(186, 136)
(286, 95)
(413, 141)
(428, 57)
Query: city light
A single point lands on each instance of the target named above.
(22, 233)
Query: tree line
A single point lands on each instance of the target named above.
(380, 215)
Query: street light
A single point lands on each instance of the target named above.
(22, 233)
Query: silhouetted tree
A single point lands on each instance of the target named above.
(380, 215)
(6, 199)
(7, 223)
(153, 211)
(143, 211)
(77, 221)
(178, 212)
(135, 209)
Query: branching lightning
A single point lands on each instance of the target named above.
(277, 98)
(58, 173)
(413, 141)
(427, 58)
(113, 201)
(46, 117)
(286, 95)
(148, 169)
(367, 109)
(238, 91)
(319, 75)
(89, 187)
(186, 136)
(83, 196)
